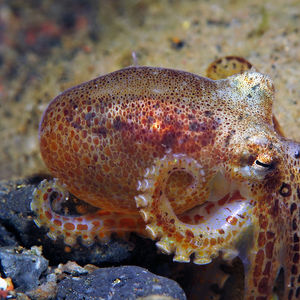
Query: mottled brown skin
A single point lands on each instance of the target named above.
(100, 144)
(101, 137)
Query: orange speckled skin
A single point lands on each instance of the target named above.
(103, 138)
(98, 138)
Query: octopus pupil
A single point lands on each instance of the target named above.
(53, 196)
(268, 166)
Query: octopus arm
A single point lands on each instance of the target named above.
(89, 227)
(205, 230)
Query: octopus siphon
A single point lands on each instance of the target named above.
(198, 164)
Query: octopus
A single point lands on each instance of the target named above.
(198, 164)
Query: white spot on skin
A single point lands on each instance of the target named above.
(157, 91)
(244, 171)
(259, 140)
(3, 284)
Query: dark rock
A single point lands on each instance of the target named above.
(6, 237)
(45, 291)
(15, 213)
(128, 282)
(24, 267)
(16, 221)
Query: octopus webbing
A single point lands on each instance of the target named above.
(198, 164)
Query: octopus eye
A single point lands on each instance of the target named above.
(264, 166)
(256, 166)
(260, 168)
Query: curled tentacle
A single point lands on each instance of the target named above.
(228, 66)
(99, 224)
(210, 227)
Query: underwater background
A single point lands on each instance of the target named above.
(49, 46)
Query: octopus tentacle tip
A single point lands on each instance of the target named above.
(153, 231)
(70, 241)
(181, 258)
(201, 260)
(182, 254)
(147, 217)
(167, 246)
(141, 202)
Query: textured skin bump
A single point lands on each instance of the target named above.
(196, 163)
